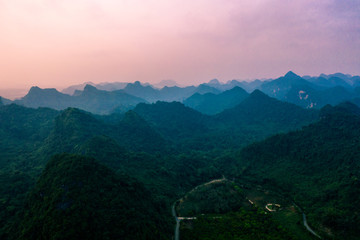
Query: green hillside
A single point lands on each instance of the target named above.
(317, 167)
(77, 198)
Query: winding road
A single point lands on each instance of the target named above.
(178, 219)
(177, 232)
(307, 226)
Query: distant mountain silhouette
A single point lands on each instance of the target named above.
(307, 97)
(279, 87)
(330, 82)
(99, 101)
(210, 103)
(203, 88)
(146, 92)
(48, 97)
(4, 101)
(175, 93)
(71, 89)
(165, 83)
(273, 115)
(247, 85)
(168, 94)
(90, 99)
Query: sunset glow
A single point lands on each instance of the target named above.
(55, 43)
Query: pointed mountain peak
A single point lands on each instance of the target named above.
(89, 88)
(34, 89)
(291, 74)
(257, 93)
(237, 89)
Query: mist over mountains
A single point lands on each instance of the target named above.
(105, 163)
(209, 98)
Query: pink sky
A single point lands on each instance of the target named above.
(56, 43)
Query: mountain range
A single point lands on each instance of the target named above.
(209, 98)
(112, 164)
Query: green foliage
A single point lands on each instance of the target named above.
(210, 103)
(317, 166)
(169, 149)
(77, 198)
(243, 224)
(74, 127)
(217, 197)
(173, 119)
(264, 116)
(13, 188)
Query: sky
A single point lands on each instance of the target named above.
(57, 43)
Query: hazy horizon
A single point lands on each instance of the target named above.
(16, 93)
(62, 43)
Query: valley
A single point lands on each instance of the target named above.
(251, 167)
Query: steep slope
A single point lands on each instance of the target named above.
(25, 123)
(103, 102)
(4, 101)
(133, 132)
(90, 99)
(331, 81)
(265, 115)
(173, 120)
(22, 131)
(175, 93)
(210, 103)
(74, 127)
(203, 88)
(249, 86)
(49, 97)
(278, 88)
(308, 97)
(14, 186)
(318, 167)
(146, 92)
(167, 93)
(77, 198)
(79, 87)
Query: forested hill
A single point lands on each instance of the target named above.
(317, 166)
(77, 198)
(168, 149)
(265, 115)
(211, 103)
(74, 127)
(174, 119)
